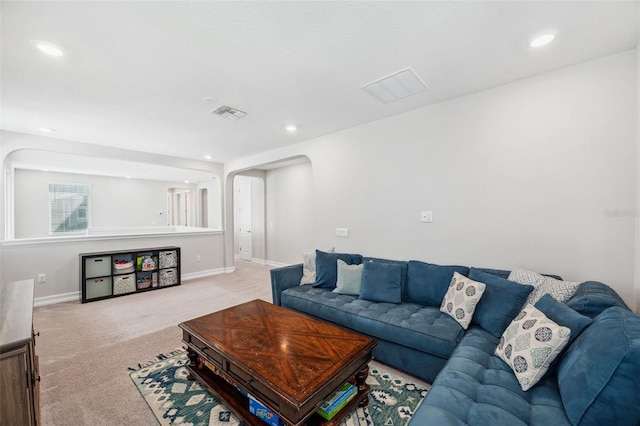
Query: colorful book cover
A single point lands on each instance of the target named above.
(337, 401)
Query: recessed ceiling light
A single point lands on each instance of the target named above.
(291, 128)
(208, 157)
(128, 177)
(542, 39)
(186, 181)
(49, 48)
(46, 130)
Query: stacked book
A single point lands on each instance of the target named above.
(337, 401)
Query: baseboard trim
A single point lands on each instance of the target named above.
(207, 273)
(57, 298)
(276, 264)
(76, 295)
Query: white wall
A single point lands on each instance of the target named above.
(60, 260)
(113, 202)
(290, 213)
(531, 174)
(637, 248)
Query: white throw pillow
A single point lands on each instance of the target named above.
(559, 290)
(309, 266)
(530, 344)
(461, 298)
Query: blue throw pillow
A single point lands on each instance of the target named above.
(381, 282)
(561, 314)
(501, 302)
(428, 283)
(403, 265)
(327, 267)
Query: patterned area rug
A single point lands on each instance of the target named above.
(175, 400)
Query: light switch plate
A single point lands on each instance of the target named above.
(342, 232)
(426, 217)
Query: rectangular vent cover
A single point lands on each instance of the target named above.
(229, 112)
(396, 86)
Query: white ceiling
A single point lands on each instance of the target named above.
(135, 73)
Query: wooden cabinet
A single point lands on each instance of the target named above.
(19, 376)
(110, 274)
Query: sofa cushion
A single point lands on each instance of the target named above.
(558, 289)
(598, 375)
(309, 267)
(529, 345)
(403, 266)
(461, 299)
(420, 327)
(593, 297)
(501, 302)
(476, 388)
(381, 282)
(327, 267)
(563, 315)
(349, 278)
(428, 283)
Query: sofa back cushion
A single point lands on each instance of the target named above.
(563, 315)
(598, 377)
(501, 302)
(428, 283)
(381, 282)
(403, 271)
(327, 267)
(593, 297)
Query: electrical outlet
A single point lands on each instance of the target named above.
(342, 232)
(198, 258)
(42, 278)
(426, 217)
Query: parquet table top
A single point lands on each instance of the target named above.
(283, 349)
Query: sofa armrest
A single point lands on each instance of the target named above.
(284, 278)
(593, 297)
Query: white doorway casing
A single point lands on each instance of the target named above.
(245, 214)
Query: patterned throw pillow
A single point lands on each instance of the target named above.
(559, 290)
(530, 344)
(461, 299)
(309, 267)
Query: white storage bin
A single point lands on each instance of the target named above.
(168, 277)
(97, 266)
(168, 259)
(124, 284)
(98, 287)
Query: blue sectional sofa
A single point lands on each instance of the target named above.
(595, 380)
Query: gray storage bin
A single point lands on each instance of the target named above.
(124, 284)
(168, 259)
(168, 277)
(98, 287)
(97, 266)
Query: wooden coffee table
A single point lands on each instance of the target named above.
(288, 361)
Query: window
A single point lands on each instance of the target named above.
(68, 208)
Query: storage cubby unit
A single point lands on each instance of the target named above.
(118, 273)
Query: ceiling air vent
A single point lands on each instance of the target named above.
(229, 112)
(396, 86)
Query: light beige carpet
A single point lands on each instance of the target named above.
(85, 349)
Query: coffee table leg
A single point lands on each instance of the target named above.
(193, 363)
(361, 379)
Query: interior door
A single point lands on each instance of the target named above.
(244, 212)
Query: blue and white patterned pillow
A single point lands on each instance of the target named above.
(461, 298)
(530, 344)
(559, 290)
